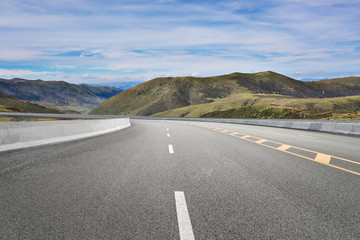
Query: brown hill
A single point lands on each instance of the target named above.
(163, 94)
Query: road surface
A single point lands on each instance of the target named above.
(184, 180)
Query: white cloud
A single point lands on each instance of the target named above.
(18, 54)
(65, 67)
(8, 73)
(176, 39)
(85, 75)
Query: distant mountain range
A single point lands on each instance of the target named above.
(258, 95)
(194, 97)
(58, 94)
(122, 85)
(10, 104)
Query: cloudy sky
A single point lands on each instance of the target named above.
(103, 41)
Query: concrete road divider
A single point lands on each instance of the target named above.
(343, 127)
(15, 135)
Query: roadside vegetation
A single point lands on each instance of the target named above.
(259, 112)
(312, 108)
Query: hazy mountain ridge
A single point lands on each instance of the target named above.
(10, 104)
(166, 95)
(58, 94)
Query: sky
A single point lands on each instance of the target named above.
(107, 41)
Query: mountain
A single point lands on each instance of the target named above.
(59, 94)
(122, 85)
(10, 104)
(336, 87)
(314, 108)
(166, 95)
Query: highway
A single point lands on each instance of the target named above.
(184, 180)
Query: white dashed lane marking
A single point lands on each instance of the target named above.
(171, 149)
(185, 228)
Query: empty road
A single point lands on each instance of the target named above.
(184, 180)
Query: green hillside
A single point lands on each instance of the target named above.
(193, 97)
(312, 107)
(168, 93)
(10, 104)
(336, 87)
(271, 112)
(59, 94)
(259, 112)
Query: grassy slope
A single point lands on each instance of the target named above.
(344, 116)
(167, 93)
(245, 98)
(10, 104)
(276, 112)
(5, 108)
(336, 87)
(318, 105)
(259, 112)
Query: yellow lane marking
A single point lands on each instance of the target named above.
(234, 133)
(244, 137)
(323, 158)
(320, 157)
(283, 147)
(261, 141)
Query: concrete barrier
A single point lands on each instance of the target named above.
(356, 130)
(15, 135)
(343, 127)
(328, 127)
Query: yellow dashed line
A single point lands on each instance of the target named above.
(320, 157)
(323, 158)
(234, 133)
(244, 137)
(283, 147)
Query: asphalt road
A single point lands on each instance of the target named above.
(132, 184)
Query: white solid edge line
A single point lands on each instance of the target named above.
(167, 129)
(171, 149)
(307, 136)
(185, 228)
(168, 134)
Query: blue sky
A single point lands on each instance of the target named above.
(104, 41)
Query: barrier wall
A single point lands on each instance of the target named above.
(344, 127)
(15, 135)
